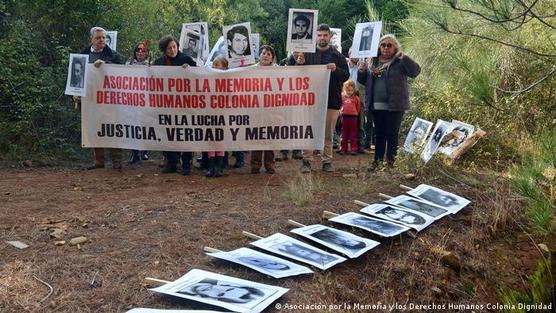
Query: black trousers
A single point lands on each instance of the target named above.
(387, 129)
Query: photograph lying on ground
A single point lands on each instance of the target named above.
(460, 132)
(264, 263)
(440, 130)
(147, 310)
(298, 250)
(392, 213)
(417, 135)
(231, 293)
(445, 199)
(338, 240)
(418, 205)
(370, 224)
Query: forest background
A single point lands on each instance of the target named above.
(485, 62)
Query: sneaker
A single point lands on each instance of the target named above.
(327, 167)
(306, 167)
(353, 153)
(297, 155)
(145, 156)
(270, 170)
(341, 152)
(373, 166)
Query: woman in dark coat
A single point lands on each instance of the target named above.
(174, 57)
(387, 93)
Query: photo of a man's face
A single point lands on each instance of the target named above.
(77, 73)
(301, 24)
(223, 291)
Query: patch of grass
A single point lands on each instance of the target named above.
(301, 188)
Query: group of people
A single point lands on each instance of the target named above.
(371, 96)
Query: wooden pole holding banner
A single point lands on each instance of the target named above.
(294, 223)
(385, 196)
(211, 250)
(405, 187)
(251, 235)
(328, 214)
(467, 144)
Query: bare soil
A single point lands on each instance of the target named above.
(140, 223)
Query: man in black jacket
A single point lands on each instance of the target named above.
(100, 53)
(336, 62)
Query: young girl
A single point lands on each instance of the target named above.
(350, 112)
(216, 158)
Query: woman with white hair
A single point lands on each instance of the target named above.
(387, 94)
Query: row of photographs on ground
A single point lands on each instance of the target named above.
(416, 210)
(446, 137)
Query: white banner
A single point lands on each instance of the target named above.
(201, 109)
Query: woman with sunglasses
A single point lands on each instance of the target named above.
(140, 57)
(387, 94)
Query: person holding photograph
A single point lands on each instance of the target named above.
(387, 93)
(172, 56)
(215, 166)
(336, 63)
(238, 42)
(301, 24)
(223, 291)
(140, 54)
(266, 58)
(351, 107)
(99, 53)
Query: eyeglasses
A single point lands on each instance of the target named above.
(386, 45)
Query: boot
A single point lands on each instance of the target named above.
(134, 157)
(210, 168)
(219, 166)
(186, 163)
(144, 156)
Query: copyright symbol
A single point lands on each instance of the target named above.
(278, 306)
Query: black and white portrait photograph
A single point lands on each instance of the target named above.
(336, 38)
(263, 263)
(440, 130)
(461, 131)
(232, 293)
(344, 242)
(238, 46)
(302, 30)
(417, 205)
(408, 218)
(199, 31)
(417, 135)
(191, 44)
(298, 250)
(75, 83)
(370, 224)
(442, 198)
(111, 39)
(365, 40)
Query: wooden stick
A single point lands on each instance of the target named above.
(211, 250)
(294, 223)
(467, 144)
(385, 196)
(328, 214)
(251, 235)
(150, 280)
(361, 203)
(405, 187)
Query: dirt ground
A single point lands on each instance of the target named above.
(139, 223)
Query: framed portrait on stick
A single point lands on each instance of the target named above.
(75, 83)
(417, 135)
(302, 30)
(365, 40)
(238, 45)
(263, 263)
(228, 292)
(342, 241)
(419, 205)
(398, 215)
(298, 250)
(370, 224)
